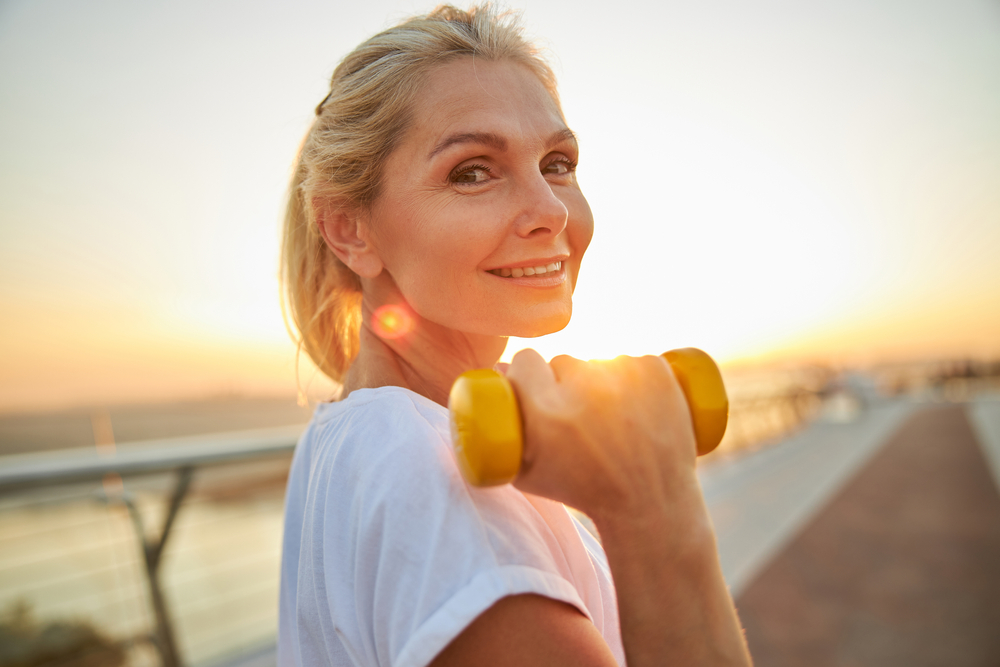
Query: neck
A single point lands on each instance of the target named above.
(422, 356)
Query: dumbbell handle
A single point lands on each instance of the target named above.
(487, 432)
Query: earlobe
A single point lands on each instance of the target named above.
(342, 228)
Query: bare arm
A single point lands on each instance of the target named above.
(528, 631)
(673, 603)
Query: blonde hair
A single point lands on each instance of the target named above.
(356, 128)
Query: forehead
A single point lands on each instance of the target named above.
(468, 95)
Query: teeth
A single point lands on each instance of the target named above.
(527, 270)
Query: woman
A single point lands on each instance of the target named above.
(435, 211)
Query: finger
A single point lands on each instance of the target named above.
(564, 365)
(528, 371)
(501, 367)
(532, 380)
(659, 365)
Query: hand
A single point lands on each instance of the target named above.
(611, 438)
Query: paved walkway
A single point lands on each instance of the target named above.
(901, 566)
(759, 502)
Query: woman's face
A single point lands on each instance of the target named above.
(478, 199)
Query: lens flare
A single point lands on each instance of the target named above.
(391, 322)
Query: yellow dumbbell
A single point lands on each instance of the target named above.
(486, 428)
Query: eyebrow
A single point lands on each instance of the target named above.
(494, 140)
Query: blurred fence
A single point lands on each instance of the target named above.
(760, 414)
(757, 420)
(161, 553)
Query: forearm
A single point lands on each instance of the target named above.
(673, 603)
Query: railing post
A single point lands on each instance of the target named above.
(152, 552)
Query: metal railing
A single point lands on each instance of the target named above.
(181, 457)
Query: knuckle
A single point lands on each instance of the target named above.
(563, 360)
(565, 365)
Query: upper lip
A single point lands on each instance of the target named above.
(530, 262)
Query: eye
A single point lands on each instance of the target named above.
(559, 167)
(469, 174)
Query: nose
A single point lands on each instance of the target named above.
(541, 213)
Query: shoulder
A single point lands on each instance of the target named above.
(384, 439)
(384, 411)
(397, 551)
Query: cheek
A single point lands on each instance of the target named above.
(414, 242)
(581, 226)
(434, 257)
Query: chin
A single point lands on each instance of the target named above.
(541, 326)
(520, 320)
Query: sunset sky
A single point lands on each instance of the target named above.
(772, 181)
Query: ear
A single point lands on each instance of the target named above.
(344, 231)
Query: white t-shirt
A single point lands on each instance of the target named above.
(389, 554)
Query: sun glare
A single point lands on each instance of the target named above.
(391, 322)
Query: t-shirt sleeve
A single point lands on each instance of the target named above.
(409, 554)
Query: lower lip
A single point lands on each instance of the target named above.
(547, 279)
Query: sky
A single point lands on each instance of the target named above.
(774, 182)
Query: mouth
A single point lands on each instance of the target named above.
(520, 271)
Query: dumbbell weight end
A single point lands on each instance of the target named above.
(701, 381)
(486, 426)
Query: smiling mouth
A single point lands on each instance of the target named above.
(552, 267)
